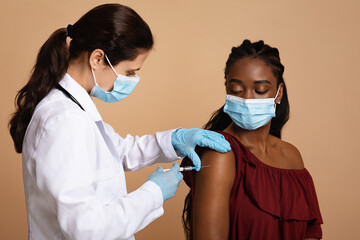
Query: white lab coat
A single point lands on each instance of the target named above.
(73, 171)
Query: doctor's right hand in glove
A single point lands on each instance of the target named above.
(168, 181)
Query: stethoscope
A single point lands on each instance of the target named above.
(58, 86)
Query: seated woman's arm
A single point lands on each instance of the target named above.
(213, 185)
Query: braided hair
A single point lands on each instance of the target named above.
(220, 120)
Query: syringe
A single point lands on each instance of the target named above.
(186, 168)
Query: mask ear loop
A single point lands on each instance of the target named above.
(107, 59)
(94, 88)
(277, 93)
(92, 71)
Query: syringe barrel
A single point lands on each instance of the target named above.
(187, 168)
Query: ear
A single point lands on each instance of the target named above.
(280, 94)
(96, 59)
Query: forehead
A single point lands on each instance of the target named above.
(251, 69)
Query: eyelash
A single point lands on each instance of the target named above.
(130, 74)
(261, 93)
(237, 92)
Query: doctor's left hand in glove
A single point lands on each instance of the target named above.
(73, 162)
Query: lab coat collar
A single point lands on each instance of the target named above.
(81, 95)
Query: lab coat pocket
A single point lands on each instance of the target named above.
(107, 184)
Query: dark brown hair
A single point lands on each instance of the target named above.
(116, 29)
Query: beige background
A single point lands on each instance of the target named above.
(182, 84)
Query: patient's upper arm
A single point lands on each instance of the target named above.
(213, 185)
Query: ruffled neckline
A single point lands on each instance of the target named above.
(287, 194)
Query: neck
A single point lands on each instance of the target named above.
(258, 138)
(80, 71)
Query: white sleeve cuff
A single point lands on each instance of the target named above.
(164, 139)
(157, 197)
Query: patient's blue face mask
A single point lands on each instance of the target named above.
(123, 86)
(250, 114)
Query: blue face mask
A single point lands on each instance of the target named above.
(123, 86)
(250, 114)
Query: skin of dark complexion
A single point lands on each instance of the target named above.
(251, 78)
(248, 78)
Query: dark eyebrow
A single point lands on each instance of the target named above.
(262, 81)
(237, 81)
(256, 82)
(133, 70)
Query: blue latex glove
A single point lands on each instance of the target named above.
(168, 181)
(184, 141)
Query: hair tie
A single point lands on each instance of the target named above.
(70, 31)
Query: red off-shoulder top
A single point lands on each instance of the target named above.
(268, 202)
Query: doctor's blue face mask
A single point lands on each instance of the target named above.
(250, 114)
(123, 86)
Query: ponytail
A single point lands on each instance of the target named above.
(50, 67)
(116, 29)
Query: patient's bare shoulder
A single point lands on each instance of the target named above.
(215, 162)
(292, 155)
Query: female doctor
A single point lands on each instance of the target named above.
(73, 162)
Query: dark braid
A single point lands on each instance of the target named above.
(220, 120)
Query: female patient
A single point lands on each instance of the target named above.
(260, 189)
